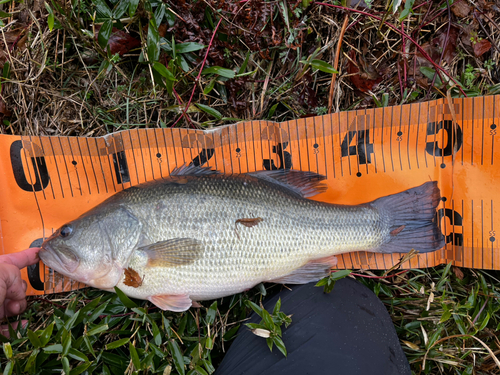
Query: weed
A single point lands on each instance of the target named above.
(329, 281)
(469, 76)
(489, 65)
(270, 326)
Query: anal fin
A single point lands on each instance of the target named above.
(172, 302)
(311, 271)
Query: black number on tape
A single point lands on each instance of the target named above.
(284, 156)
(453, 138)
(362, 147)
(34, 270)
(39, 169)
(121, 167)
(204, 156)
(455, 219)
(206, 143)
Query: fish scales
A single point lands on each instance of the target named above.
(293, 231)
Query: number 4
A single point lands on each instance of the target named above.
(362, 147)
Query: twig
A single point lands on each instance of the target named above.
(48, 301)
(336, 63)
(455, 149)
(415, 32)
(488, 35)
(19, 37)
(199, 74)
(493, 356)
(266, 82)
(486, 16)
(188, 119)
(403, 50)
(102, 316)
(400, 80)
(415, 35)
(419, 48)
(420, 5)
(433, 18)
(446, 41)
(480, 311)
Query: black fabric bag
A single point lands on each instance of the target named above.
(346, 332)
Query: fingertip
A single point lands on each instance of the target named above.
(13, 308)
(16, 307)
(22, 306)
(23, 258)
(32, 255)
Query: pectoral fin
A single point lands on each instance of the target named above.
(312, 271)
(170, 302)
(172, 253)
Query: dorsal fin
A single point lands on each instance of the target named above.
(305, 184)
(193, 170)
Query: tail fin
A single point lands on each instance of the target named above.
(411, 218)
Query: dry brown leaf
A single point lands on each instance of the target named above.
(38, 5)
(162, 30)
(481, 47)
(458, 273)
(119, 42)
(472, 41)
(361, 74)
(132, 278)
(21, 43)
(461, 9)
(4, 112)
(435, 48)
(451, 48)
(12, 36)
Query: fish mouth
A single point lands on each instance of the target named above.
(67, 261)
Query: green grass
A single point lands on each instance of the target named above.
(446, 324)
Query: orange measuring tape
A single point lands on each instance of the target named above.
(365, 154)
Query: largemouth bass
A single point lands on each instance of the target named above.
(200, 235)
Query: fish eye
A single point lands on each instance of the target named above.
(66, 230)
